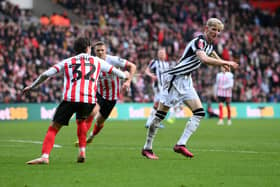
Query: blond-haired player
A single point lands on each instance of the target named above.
(178, 86)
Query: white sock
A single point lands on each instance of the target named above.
(151, 133)
(45, 155)
(190, 128)
(82, 149)
(149, 120)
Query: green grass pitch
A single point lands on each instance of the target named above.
(243, 155)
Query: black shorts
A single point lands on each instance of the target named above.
(66, 109)
(106, 106)
(224, 99)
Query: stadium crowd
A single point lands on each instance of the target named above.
(134, 30)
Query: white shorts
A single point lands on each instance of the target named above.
(157, 97)
(181, 90)
(157, 94)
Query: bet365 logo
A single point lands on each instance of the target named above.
(13, 113)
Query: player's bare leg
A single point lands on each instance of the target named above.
(157, 118)
(47, 144)
(191, 126)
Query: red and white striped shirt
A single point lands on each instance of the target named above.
(224, 84)
(109, 85)
(81, 75)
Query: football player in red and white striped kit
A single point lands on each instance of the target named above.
(224, 85)
(81, 74)
(108, 88)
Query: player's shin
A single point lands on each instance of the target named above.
(89, 122)
(221, 111)
(82, 134)
(157, 118)
(191, 126)
(228, 111)
(49, 141)
(149, 120)
(97, 129)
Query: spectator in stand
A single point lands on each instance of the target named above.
(44, 20)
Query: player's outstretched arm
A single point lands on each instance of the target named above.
(44, 76)
(215, 55)
(106, 67)
(132, 70)
(215, 62)
(37, 82)
(150, 74)
(121, 74)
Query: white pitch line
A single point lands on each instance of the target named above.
(198, 150)
(124, 147)
(33, 142)
(230, 151)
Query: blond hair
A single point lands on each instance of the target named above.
(215, 22)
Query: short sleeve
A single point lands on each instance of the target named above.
(59, 66)
(152, 64)
(55, 69)
(198, 44)
(117, 61)
(106, 67)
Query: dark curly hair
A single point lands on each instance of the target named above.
(81, 44)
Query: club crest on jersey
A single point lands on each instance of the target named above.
(200, 44)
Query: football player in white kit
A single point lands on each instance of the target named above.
(178, 86)
(155, 71)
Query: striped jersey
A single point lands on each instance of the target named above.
(81, 74)
(224, 84)
(157, 67)
(189, 61)
(109, 85)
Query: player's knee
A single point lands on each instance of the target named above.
(100, 119)
(160, 114)
(199, 112)
(155, 105)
